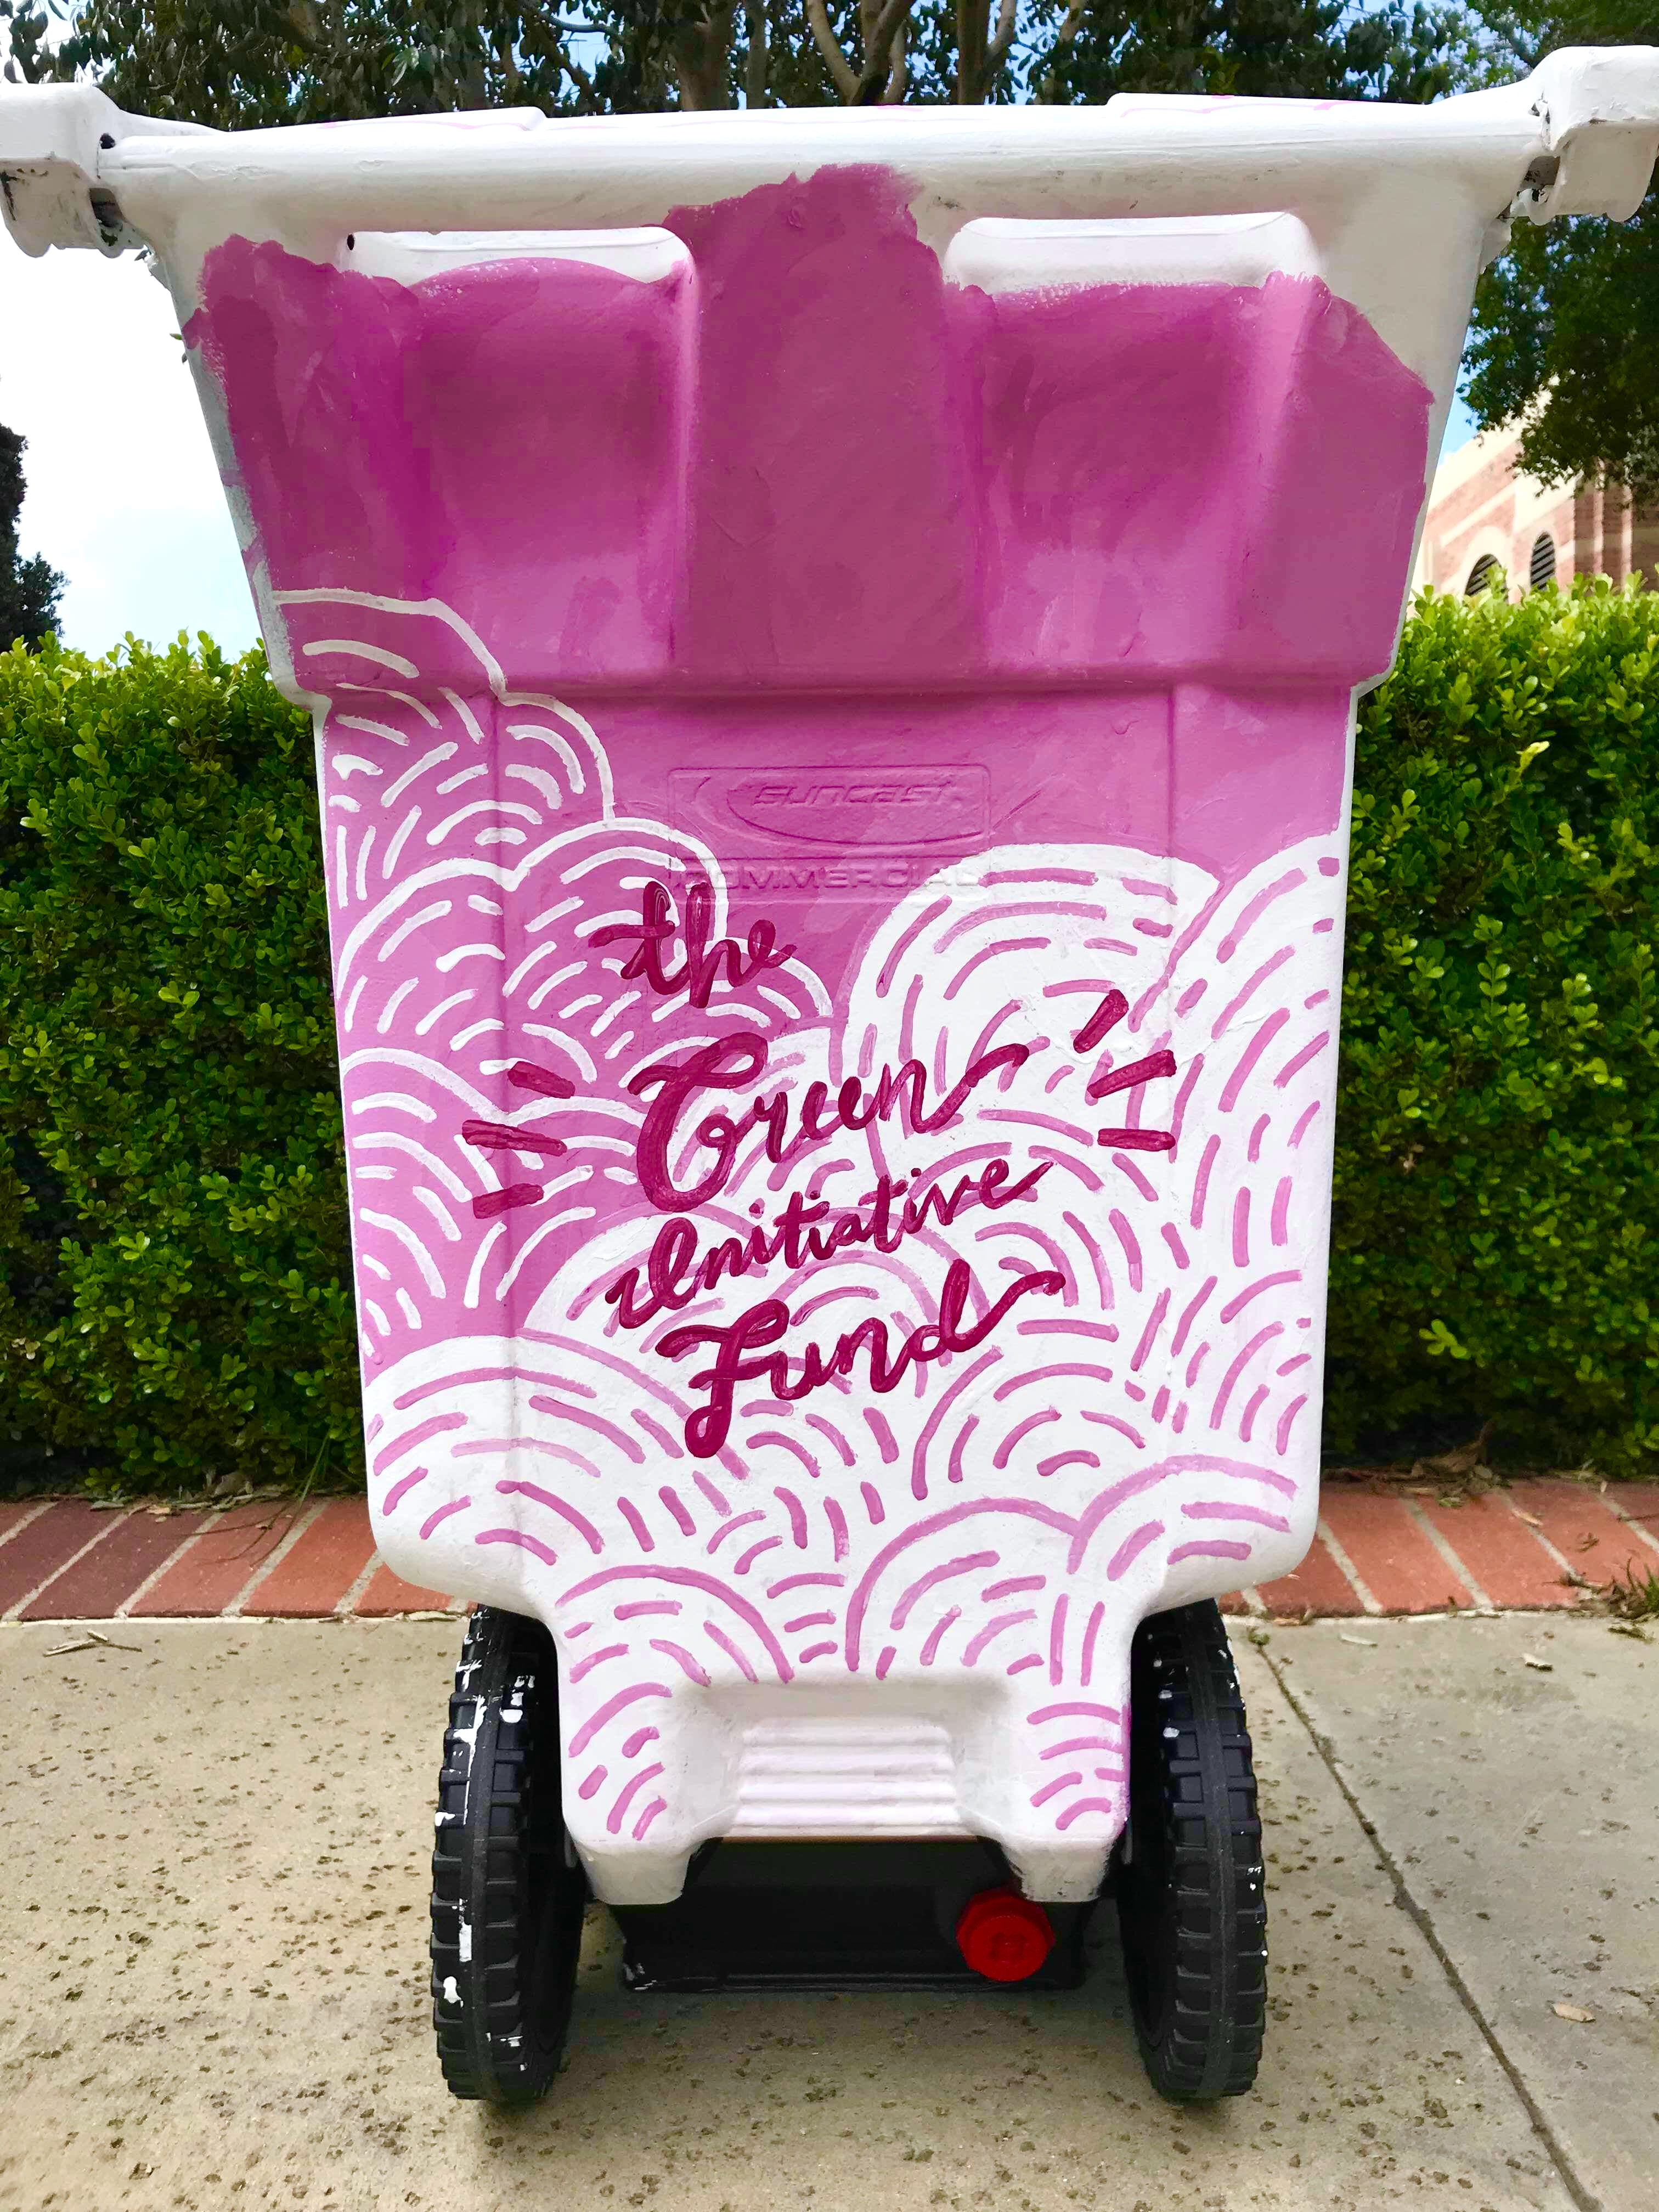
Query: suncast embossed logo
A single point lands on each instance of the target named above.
(840, 808)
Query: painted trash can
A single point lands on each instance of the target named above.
(833, 639)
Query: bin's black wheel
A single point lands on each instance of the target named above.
(1190, 1889)
(508, 1893)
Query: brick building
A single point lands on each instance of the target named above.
(1483, 510)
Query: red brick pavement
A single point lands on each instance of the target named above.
(1377, 1552)
(1393, 1553)
(390, 1593)
(1318, 1586)
(1581, 1529)
(313, 1576)
(216, 1569)
(13, 1516)
(1638, 1502)
(1502, 1552)
(36, 1549)
(118, 1565)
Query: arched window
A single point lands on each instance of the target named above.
(1540, 570)
(1481, 575)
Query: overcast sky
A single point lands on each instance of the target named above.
(123, 494)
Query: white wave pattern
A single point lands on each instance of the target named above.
(1138, 1429)
(464, 895)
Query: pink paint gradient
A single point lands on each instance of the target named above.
(893, 482)
(998, 649)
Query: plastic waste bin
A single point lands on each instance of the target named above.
(833, 639)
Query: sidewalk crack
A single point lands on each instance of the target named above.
(1419, 1914)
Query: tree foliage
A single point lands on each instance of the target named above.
(244, 62)
(1565, 333)
(28, 589)
(1315, 49)
(1566, 322)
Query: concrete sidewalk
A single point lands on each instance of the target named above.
(212, 1969)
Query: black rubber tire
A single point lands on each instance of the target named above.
(508, 1893)
(1191, 1885)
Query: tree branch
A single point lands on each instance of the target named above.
(998, 51)
(756, 57)
(878, 53)
(1048, 92)
(898, 76)
(845, 76)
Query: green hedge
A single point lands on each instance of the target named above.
(171, 1224)
(1495, 1254)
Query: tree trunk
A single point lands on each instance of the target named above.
(981, 52)
(756, 57)
(702, 51)
(973, 37)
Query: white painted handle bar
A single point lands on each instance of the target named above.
(1578, 136)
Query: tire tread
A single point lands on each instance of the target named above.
(1198, 1952)
(499, 2014)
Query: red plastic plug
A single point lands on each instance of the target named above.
(1003, 1936)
